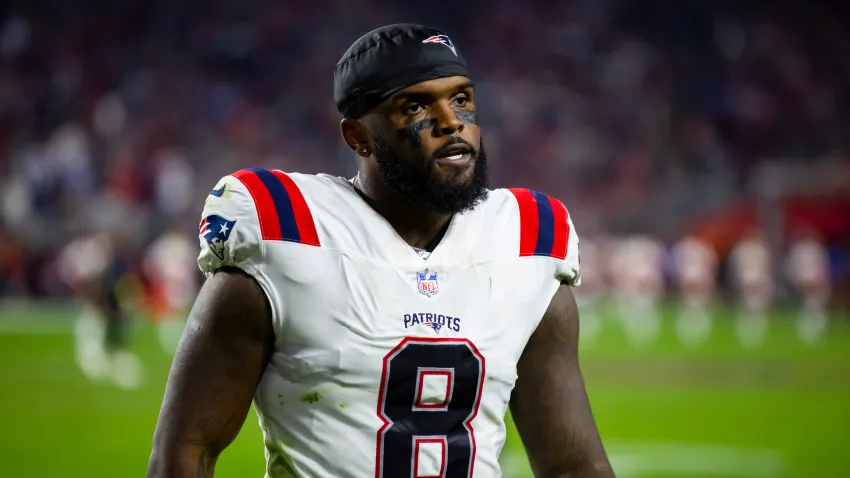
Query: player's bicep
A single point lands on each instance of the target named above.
(549, 403)
(224, 350)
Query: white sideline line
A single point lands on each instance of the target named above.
(643, 459)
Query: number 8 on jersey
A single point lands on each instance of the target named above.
(430, 392)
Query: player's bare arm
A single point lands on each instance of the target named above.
(217, 367)
(549, 402)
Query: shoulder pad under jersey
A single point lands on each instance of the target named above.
(547, 230)
(247, 208)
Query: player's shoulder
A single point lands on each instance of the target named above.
(514, 199)
(281, 205)
(541, 222)
(250, 209)
(253, 186)
(529, 223)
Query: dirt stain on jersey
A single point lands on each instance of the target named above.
(312, 397)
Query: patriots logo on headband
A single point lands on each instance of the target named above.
(442, 39)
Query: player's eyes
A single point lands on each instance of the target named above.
(413, 108)
(461, 100)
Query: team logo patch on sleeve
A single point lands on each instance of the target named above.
(443, 40)
(427, 283)
(216, 230)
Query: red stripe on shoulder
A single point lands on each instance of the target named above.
(529, 221)
(303, 216)
(266, 212)
(562, 228)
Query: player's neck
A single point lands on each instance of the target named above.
(416, 225)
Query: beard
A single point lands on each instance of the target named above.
(417, 182)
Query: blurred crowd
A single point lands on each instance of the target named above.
(640, 115)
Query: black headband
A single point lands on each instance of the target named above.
(389, 59)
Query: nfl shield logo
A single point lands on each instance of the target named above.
(427, 282)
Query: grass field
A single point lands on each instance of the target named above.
(721, 410)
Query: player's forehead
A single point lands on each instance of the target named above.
(435, 88)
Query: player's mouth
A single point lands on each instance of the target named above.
(458, 153)
(455, 158)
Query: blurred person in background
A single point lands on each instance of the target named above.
(411, 287)
(92, 267)
(807, 267)
(637, 272)
(695, 273)
(171, 272)
(752, 274)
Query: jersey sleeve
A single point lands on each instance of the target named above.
(547, 230)
(230, 235)
(569, 268)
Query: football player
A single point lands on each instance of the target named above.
(752, 272)
(808, 269)
(383, 324)
(92, 269)
(637, 272)
(695, 270)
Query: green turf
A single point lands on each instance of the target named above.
(721, 410)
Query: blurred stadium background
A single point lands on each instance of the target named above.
(702, 147)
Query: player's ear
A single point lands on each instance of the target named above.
(356, 136)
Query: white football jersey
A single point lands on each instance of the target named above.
(387, 364)
(86, 258)
(808, 264)
(637, 268)
(695, 264)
